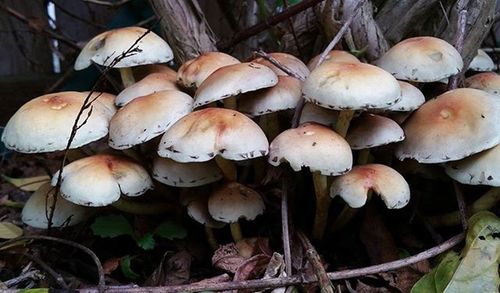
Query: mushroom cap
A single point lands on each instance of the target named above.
(338, 56)
(482, 62)
(107, 46)
(486, 81)
(177, 174)
(353, 187)
(355, 86)
(284, 95)
(422, 59)
(233, 80)
(291, 62)
(197, 209)
(44, 123)
(65, 214)
(312, 145)
(314, 113)
(411, 98)
(99, 180)
(203, 134)
(147, 117)
(480, 169)
(193, 72)
(370, 130)
(234, 201)
(452, 126)
(151, 83)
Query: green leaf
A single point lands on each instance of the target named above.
(112, 226)
(27, 184)
(445, 269)
(146, 242)
(171, 231)
(126, 268)
(39, 290)
(9, 230)
(426, 284)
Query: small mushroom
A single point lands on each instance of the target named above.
(334, 56)
(177, 174)
(150, 84)
(370, 130)
(482, 62)
(291, 62)
(486, 81)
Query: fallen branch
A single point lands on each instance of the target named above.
(459, 45)
(294, 280)
(319, 270)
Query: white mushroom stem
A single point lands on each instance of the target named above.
(322, 204)
(228, 168)
(142, 208)
(127, 76)
(236, 231)
(230, 103)
(343, 122)
(364, 157)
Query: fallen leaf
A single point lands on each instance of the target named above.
(227, 258)
(27, 184)
(9, 230)
(111, 264)
(178, 268)
(252, 268)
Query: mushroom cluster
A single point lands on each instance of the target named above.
(215, 116)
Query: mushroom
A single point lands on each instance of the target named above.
(104, 48)
(291, 62)
(232, 202)
(370, 130)
(193, 174)
(421, 59)
(314, 113)
(99, 180)
(147, 117)
(150, 84)
(482, 62)
(354, 186)
(232, 80)
(44, 124)
(411, 98)
(486, 81)
(66, 214)
(333, 56)
(193, 72)
(197, 209)
(452, 126)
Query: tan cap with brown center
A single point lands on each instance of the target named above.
(421, 59)
(334, 56)
(452, 126)
(193, 72)
(486, 81)
(291, 62)
(312, 145)
(353, 187)
(203, 134)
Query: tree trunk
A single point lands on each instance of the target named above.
(185, 28)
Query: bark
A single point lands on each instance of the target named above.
(397, 18)
(480, 15)
(185, 28)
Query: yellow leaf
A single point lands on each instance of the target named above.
(9, 230)
(27, 184)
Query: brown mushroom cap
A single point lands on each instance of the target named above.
(44, 124)
(66, 213)
(234, 201)
(480, 169)
(355, 86)
(99, 180)
(370, 130)
(353, 187)
(334, 56)
(422, 59)
(177, 174)
(107, 46)
(452, 126)
(291, 62)
(147, 117)
(284, 95)
(233, 80)
(482, 62)
(150, 84)
(203, 134)
(486, 81)
(411, 98)
(193, 72)
(312, 145)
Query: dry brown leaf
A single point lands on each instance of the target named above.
(252, 268)
(111, 264)
(227, 258)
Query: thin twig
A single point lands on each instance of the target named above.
(462, 207)
(459, 45)
(285, 230)
(100, 270)
(294, 280)
(270, 21)
(50, 33)
(113, 4)
(281, 66)
(55, 275)
(319, 270)
(75, 16)
(21, 278)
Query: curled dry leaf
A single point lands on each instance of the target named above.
(252, 268)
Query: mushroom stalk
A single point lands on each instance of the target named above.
(142, 208)
(270, 124)
(127, 76)
(228, 168)
(364, 157)
(322, 204)
(230, 103)
(236, 231)
(343, 122)
(212, 241)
